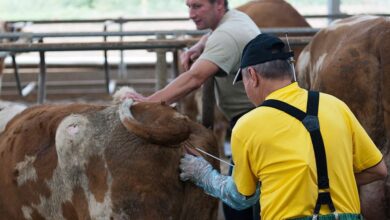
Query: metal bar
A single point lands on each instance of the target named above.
(16, 73)
(118, 20)
(155, 19)
(126, 45)
(16, 35)
(333, 9)
(129, 45)
(42, 77)
(106, 67)
(122, 67)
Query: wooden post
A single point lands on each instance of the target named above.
(42, 77)
(208, 102)
(161, 66)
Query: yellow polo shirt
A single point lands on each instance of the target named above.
(275, 148)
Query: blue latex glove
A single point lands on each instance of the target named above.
(200, 172)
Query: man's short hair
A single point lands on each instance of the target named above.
(226, 3)
(273, 69)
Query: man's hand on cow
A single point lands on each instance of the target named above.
(193, 168)
(135, 96)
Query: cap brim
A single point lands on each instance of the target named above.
(238, 77)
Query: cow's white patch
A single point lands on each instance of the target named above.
(101, 210)
(317, 68)
(71, 137)
(303, 61)
(318, 64)
(120, 95)
(26, 170)
(124, 109)
(27, 211)
(76, 142)
(341, 22)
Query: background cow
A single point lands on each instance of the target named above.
(350, 59)
(85, 161)
(273, 14)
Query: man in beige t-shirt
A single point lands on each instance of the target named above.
(216, 55)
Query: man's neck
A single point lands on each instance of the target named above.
(220, 17)
(268, 86)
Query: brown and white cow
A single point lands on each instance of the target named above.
(84, 161)
(351, 60)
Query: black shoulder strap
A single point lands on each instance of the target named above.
(311, 123)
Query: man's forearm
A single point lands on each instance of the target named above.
(185, 82)
(176, 90)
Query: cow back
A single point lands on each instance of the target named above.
(350, 59)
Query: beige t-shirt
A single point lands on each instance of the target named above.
(224, 48)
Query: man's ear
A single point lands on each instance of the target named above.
(254, 77)
(221, 4)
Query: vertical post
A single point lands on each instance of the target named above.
(175, 63)
(16, 72)
(106, 67)
(161, 66)
(42, 77)
(333, 9)
(122, 67)
(208, 102)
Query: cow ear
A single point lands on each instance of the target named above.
(167, 127)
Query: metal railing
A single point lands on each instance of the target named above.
(160, 47)
(165, 45)
(158, 19)
(34, 36)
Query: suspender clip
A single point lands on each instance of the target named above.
(336, 215)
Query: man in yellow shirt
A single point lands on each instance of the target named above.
(306, 148)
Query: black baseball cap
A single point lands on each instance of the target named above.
(261, 49)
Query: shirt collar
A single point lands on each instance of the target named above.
(282, 92)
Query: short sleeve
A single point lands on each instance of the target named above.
(365, 152)
(222, 50)
(242, 173)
